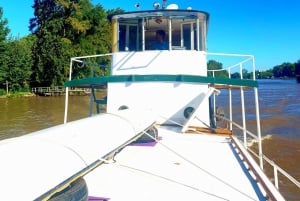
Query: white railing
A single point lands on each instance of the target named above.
(248, 136)
(244, 62)
(82, 61)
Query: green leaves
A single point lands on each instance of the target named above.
(66, 28)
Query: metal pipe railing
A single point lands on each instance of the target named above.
(245, 133)
(275, 167)
(78, 60)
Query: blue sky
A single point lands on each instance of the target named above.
(267, 29)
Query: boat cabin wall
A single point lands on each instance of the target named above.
(185, 36)
(172, 100)
(159, 62)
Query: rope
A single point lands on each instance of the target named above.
(185, 159)
(197, 166)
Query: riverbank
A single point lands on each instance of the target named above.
(17, 95)
(76, 92)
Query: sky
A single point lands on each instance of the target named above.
(267, 29)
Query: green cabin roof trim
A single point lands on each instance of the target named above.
(88, 82)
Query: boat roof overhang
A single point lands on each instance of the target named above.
(185, 14)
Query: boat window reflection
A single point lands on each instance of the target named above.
(180, 33)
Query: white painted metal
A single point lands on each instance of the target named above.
(169, 99)
(33, 164)
(197, 111)
(179, 167)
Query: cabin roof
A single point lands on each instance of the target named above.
(191, 14)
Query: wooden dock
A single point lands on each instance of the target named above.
(58, 91)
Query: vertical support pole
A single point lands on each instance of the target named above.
(92, 95)
(127, 38)
(143, 35)
(67, 95)
(276, 176)
(230, 102)
(198, 34)
(6, 87)
(243, 109)
(170, 33)
(214, 102)
(230, 108)
(260, 152)
(115, 35)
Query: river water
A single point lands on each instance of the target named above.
(279, 110)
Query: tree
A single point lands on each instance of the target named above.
(66, 28)
(236, 75)
(218, 69)
(18, 61)
(4, 31)
(284, 70)
(264, 74)
(97, 40)
(49, 48)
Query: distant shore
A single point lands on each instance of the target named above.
(17, 95)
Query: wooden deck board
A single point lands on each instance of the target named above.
(199, 130)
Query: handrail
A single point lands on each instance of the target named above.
(78, 60)
(205, 80)
(269, 161)
(260, 156)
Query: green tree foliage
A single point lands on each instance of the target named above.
(236, 75)
(284, 70)
(217, 67)
(4, 31)
(264, 74)
(48, 50)
(18, 63)
(66, 28)
(97, 39)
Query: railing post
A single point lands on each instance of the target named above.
(230, 102)
(67, 95)
(275, 176)
(261, 162)
(258, 129)
(243, 109)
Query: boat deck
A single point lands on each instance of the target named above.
(178, 167)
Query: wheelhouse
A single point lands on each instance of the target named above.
(184, 53)
(135, 31)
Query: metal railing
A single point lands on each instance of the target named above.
(48, 90)
(248, 136)
(83, 60)
(245, 62)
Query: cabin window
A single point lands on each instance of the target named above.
(151, 25)
(180, 33)
(128, 37)
(188, 36)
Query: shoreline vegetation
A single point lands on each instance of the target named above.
(31, 94)
(18, 95)
(74, 29)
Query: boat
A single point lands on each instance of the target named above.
(158, 133)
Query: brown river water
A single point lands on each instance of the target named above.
(279, 110)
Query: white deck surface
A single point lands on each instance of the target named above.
(203, 168)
